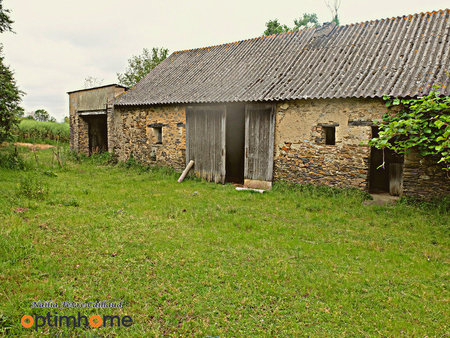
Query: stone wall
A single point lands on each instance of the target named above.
(301, 154)
(83, 135)
(423, 177)
(132, 133)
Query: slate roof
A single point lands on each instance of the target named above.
(402, 56)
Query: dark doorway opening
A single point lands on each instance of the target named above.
(387, 178)
(235, 143)
(98, 133)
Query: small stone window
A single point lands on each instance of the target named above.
(157, 132)
(330, 135)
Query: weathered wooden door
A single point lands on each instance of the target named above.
(205, 141)
(259, 140)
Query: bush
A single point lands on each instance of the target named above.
(11, 160)
(104, 158)
(36, 131)
(439, 205)
(31, 187)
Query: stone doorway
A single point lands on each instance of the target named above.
(97, 133)
(386, 170)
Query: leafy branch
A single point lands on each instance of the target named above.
(421, 124)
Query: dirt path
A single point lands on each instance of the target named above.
(35, 146)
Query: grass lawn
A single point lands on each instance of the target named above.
(200, 259)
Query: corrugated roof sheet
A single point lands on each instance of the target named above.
(98, 87)
(402, 56)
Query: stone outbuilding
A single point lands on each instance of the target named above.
(90, 113)
(297, 106)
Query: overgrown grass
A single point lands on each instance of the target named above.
(42, 132)
(200, 259)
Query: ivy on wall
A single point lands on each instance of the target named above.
(421, 124)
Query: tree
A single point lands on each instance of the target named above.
(307, 21)
(10, 95)
(333, 6)
(139, 66)
(5, 20)
(421, 124)
(91, 81)
(274, 27)
(41, 115)
(10, 98)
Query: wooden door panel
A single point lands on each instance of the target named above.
(259, 141)
(205, 141)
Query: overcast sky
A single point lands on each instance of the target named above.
(59, 43)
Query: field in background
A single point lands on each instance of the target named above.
(202, 259)
(42, 132)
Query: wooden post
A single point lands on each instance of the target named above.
(185, 171)
(33, 149)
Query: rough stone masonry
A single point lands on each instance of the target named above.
(300, 153)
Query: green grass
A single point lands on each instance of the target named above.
(200, 259)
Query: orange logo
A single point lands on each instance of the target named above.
(94, 321)
(99, 321)
(30, 321)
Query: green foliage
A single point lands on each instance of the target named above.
(5, 20)
(10, 98)
(11, 159)
(313, 190)
(274, 27)
(41, 115)
(103, 158)
(333, 6)
(66, 119)
(336, 20)
(31, 186)
(306, 21)
(30, 130)
(10, 95)
(439, 205)
(421, 124)
(139, 66)
(71, 203)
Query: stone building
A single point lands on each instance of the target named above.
(89, 113)
(297, 106)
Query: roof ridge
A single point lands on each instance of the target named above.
(310, 29)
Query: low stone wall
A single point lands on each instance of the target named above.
(423, 177)
(131, 131)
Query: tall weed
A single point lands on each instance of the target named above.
(30, 186)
